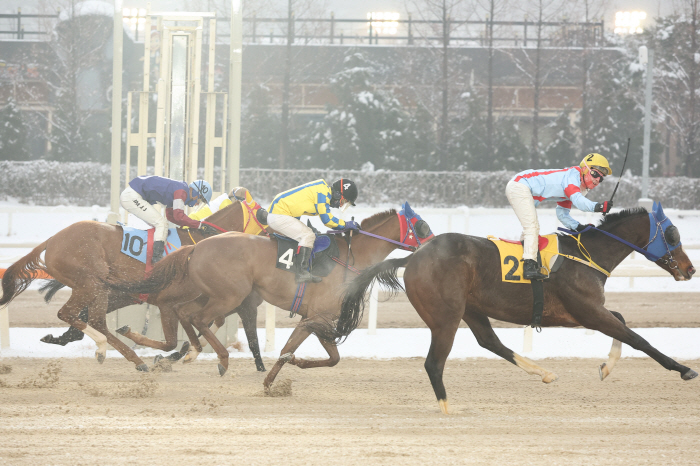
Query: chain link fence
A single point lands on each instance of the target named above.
(84, 184)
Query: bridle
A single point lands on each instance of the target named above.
(667, 259)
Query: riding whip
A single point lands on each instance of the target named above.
(623, 169)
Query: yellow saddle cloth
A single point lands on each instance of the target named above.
(512, 252)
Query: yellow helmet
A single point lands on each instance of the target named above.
(596, 161)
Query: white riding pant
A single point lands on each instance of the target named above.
(520, 198)
(293, 228)
(137, 205)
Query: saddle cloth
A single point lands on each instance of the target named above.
(138, 244)
(512, 251)
(324, 250)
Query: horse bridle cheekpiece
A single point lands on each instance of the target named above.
(663, 237)
(412, 226)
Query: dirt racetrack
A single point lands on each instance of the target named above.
(361, 412)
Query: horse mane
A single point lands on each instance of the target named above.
(374, 220)
(612, 219)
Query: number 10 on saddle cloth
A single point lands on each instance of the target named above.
(512, 251)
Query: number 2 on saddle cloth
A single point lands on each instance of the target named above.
(512, 251)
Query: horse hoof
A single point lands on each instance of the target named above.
(100, 357)
(176, 356)
(123, 330)
(157, 358)
(444, 406)
(222, 370)
(603, 371)
(185, 347)
(549, 378)
(47, 339)
(142, 368)
(689, 375)
(261, 368)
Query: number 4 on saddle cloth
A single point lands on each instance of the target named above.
(512, 251)
(138, 244)
(324, 251)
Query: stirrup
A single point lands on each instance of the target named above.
(306, 277)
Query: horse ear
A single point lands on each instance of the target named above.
(407, 210)
(660, 210)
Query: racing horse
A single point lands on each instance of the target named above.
(228, 267)
(457, 277)
(83, 255)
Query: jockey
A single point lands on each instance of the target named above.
(144, 191)
(567, 187)
(315, 198)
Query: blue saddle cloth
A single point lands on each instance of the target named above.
(135, 242)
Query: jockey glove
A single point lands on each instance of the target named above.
(207, 230)
(603, 207)
(352, 225)
(582, 227)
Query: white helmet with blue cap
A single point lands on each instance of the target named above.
(203, 188)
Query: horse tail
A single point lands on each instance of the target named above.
(354, 299)
(171, 269)
(50, 288)
(22, 273)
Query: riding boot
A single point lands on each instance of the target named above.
(531, 271)
(158, 250)
(302, 267)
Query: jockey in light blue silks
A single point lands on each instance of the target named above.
(144, 191)
(566, 186)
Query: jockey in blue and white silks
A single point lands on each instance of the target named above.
(145, 191)
(567, 187)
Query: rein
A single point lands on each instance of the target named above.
(652, 257)
(404, 246)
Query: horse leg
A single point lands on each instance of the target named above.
(603, 321)
(249, 313)
(199, 323)
(195, 346)
(299, 334)
(330, 347)
(483, 331)
(99, 323)
(442, 338)
(70, 335)
(168, 321)
(615, 352)
(214, 327)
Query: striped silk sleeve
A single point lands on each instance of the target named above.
(323, 209)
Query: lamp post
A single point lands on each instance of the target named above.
(646, 57)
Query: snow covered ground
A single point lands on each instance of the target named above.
(35, 224)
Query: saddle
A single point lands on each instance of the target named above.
(324, 251)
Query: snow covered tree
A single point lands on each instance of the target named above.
(259, 131)
(367, 125)
(563, 150)
(13, 133)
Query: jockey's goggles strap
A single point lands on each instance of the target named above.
(215, 226)
(644, 252)
(405, 246)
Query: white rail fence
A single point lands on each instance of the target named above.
(30, 221)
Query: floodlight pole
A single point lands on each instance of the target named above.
(234, 92)
(647, 123)
(117, 54)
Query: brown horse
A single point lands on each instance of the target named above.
(458, 277)
(85, 254)
(228, 267)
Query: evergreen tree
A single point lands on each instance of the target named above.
(259, 130)
(562, 151)
(367, 125)
(510, 152)
(13, 133)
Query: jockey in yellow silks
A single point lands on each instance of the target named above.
(312, 199)
(250, 208)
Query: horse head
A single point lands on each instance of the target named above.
(665, 243)
(412, 231)
(229, 218)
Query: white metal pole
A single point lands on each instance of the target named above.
(117, 53)
(373, 305)
(647, 124)
(5, 327)
(234, 91)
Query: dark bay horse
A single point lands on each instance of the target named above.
(228, 267)
(458, 277)
(83, 255)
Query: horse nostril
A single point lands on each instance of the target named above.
(691, 270)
